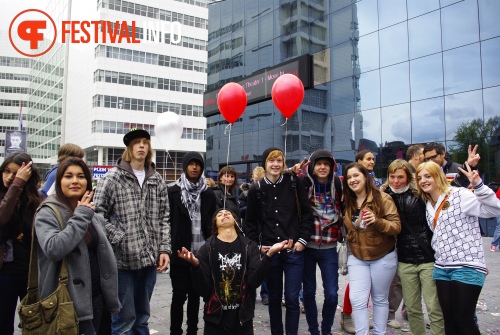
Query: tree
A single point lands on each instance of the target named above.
(482, 133)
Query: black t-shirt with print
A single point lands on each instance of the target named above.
(229, 280)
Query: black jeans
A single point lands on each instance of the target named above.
(458, 303)
(213, 329)
(12, 288)
(182, 289)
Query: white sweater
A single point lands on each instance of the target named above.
(457, 238)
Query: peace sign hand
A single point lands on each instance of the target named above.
(472, 175)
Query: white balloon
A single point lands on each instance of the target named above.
(168, 129)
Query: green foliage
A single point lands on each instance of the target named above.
(476, 132)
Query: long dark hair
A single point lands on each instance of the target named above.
(72, 161)
(370, 188)
(237, 226)
(22, 217)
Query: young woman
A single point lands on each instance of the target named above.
(452, 214)
(415, 254)
(372, 222)
(226, 273)
(225, 191)
(19, 200)
(93, 275)
(367, 159)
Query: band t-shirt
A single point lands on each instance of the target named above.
(229, 281)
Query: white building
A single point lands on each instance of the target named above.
(15, 81)
(114, 87)
(92, 94)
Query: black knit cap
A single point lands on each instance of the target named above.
(321, 154)
(135, 133)
(190, 156)
(266, 153)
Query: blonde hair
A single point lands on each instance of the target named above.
(127, 154)
(259, 172)
(437, 174)
(275, 154)
(210, 182)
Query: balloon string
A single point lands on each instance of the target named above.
(286, 132)
(166, 159)
(227, 129)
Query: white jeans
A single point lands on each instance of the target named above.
(371, 277)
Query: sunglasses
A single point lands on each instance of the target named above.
(426, 159)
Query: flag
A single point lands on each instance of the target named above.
(20, 115)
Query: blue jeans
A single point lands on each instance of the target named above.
(264, 292)
(135, 288)
(327, 259)
(292, 265)
(371, 277)
(496, 235)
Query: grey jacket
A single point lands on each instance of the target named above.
(54, 244)
(137, 219)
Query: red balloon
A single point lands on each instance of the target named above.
(287, 93)
(232, 101)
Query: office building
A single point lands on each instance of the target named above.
(385, 74)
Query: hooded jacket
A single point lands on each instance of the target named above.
(326, 224)
(54, 244)
(137, 219)
(203, 276)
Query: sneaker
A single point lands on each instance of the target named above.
(265, 300)
(428, 325)
(393, 324)
(347, 323)
(493, 248)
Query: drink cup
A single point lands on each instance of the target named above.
(362, 222)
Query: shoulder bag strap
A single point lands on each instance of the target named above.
(33, 271)
(436, 216)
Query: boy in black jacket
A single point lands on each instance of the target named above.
(278, 209)
(192, 205)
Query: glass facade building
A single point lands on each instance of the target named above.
(387, 74)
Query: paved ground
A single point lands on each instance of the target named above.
(489, 320)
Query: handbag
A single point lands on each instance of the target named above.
(343, 252)
(54, 314)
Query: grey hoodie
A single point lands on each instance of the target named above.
(54, 244)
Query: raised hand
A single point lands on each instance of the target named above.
(86, 200)
(473, 158)
(300, 166)
(188, 256)
(24, 171)
(473, 175)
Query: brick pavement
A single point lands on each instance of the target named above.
(489, 320)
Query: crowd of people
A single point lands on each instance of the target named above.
(414, 237)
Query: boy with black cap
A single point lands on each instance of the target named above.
(192, 205)
(133, 199)
(278, 209)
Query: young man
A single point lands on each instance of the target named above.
(192, 205)
(133, 199)
(436, 152)
(324, 191)
(278, 210)
(415, 155)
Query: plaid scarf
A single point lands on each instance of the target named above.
(191, 198)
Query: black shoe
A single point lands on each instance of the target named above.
(265, 300)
